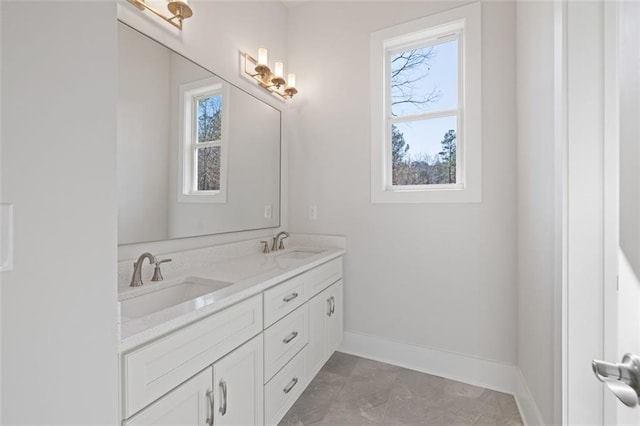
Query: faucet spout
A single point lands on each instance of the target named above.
(136, 279)
(277, 241)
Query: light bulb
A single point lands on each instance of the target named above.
(279, 69)
(262, 56)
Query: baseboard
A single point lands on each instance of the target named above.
(526, 404)
(463, 368)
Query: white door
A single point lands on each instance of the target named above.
(622, 315)
(187, 405)
(238, 386)
(601, 298)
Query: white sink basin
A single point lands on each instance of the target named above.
(298, 254)
(190, 290)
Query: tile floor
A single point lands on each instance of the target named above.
(350, 390)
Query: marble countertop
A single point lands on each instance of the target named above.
(248, 274)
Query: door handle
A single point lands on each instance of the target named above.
(623, 379)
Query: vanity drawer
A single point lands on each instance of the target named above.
(283, 298)
(156, 368)
(284, 339)
(323, 276)
(285, 387)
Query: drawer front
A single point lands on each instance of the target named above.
(323, 276)
(283, 298)
(158, 367)
(284, 339)
(285, 387)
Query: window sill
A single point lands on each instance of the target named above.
(219, 197)
(418, 195)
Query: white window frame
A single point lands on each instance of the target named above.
(190, 93)
(464, 25)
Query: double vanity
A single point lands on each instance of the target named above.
(231, 335)
(228, 334)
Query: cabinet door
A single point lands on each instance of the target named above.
(319, 311)
(186, 405)
(238, 386)
(335, 327)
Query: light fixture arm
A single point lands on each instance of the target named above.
(179, 8)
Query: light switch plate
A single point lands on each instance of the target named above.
(267, 211)
(6, 237)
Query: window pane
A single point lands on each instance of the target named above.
(209, 118)
(424, 79)
(424, 152)
(209, 168)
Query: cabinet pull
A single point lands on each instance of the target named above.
(290, 337)
(290, 297)
(223, 397)
(329, 307)
(291, 385)
(333, 305)
(210, 399)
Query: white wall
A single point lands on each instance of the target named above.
(536, 203)
(214, 38)
(436, 275)
(59, 170)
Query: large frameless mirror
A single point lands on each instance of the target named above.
(196, 154)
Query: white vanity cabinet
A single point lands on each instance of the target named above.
(246, 364)
(325, 326)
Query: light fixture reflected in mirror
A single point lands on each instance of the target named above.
(272, 81)
(179, 8)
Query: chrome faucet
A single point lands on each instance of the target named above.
(278, 244)
(136, 279)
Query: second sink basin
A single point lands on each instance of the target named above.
(190, 289)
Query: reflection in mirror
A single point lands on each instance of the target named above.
(196, 155)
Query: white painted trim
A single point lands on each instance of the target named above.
(611, 159)
(469, 115)
(525, 401)
(560, 213)
(463, 368)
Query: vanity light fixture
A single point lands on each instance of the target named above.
(272, 81)
(179, 8)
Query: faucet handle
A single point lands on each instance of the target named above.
(265, 247)
(281, 246)
(157, 273)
